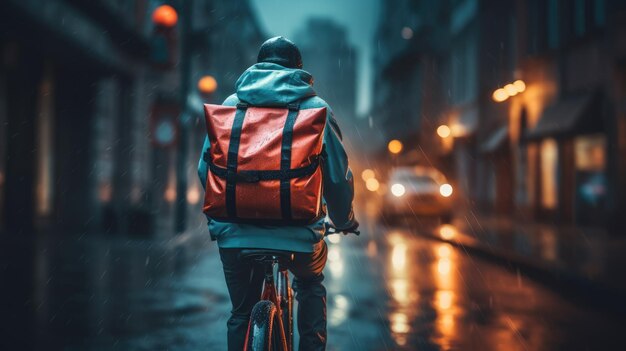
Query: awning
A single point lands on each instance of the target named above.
(568, 116)
(495, 140)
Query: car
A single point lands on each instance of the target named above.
(418, 191)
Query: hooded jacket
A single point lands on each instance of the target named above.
(272, 84)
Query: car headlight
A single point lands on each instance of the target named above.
(445, 190)
(398, 190)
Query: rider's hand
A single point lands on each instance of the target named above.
(351, 227)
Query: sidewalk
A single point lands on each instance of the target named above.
(586, 259)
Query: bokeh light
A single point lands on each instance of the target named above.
(398, 190)
(165, 16)
(444, 131)
(207, 85)
(372, 184)
(367, 174)
(445, 190)
(500, 95)
(395, 146)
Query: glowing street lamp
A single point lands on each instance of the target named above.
(444, 131)
(510, 89)
(395, 146)
(207, 85)
(165, 16)
(367, 174)
(372, 184)
(500, 95)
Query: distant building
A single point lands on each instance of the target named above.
(531, 92)
(410, 51)
(331, 59)
(567, 129)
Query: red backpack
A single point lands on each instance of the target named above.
(264, 164)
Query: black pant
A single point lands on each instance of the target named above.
(245, 282)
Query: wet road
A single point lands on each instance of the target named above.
(389, 289)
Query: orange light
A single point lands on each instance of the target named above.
(444, 131)
(372, 184)
(519, 85)
(500, 95)
(447, 231)
(170, 194)
(207, 85)
(165, 16)
(367, 174)
(193, 195)
(510, 89)
(395, 146)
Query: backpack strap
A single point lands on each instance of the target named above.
(231, 161)
(285, 159)
(252, 176)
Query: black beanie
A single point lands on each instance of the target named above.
(281, 51)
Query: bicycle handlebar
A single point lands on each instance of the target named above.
(331, 229)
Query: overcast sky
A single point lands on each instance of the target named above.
(360, 17)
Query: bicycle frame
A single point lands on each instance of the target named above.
(285, 297)
(276, 289)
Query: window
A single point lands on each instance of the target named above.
(553, 24)
(580, 18)
(549, 174)
(537, 14)
(599, 12)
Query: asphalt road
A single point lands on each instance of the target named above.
(389, 289)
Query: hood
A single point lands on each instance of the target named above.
(272, 84)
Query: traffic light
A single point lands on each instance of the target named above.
(164, 41)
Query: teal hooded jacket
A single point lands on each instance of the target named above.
(271, 84)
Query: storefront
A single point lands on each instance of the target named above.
(569, 146)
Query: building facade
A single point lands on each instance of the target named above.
(80, 86)
(566, 129)
(530, 95)
(329, 56)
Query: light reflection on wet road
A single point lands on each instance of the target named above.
(387, 290)
(405, 292)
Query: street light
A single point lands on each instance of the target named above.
(367, 174)
(444, 131)
(500, 95)
(165, 16)
(372, 184)
(207, 85)
(510, 89)
(395, 146)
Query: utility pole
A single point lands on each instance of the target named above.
(180, 215)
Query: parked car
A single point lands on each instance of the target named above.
(418, 191)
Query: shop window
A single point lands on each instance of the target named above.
(591, 182)
(549, 174)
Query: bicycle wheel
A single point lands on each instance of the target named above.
(263, 330)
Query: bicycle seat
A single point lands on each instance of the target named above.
(266, 255)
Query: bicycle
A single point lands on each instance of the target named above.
(276, 304)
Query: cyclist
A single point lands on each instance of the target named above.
(278, 79)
